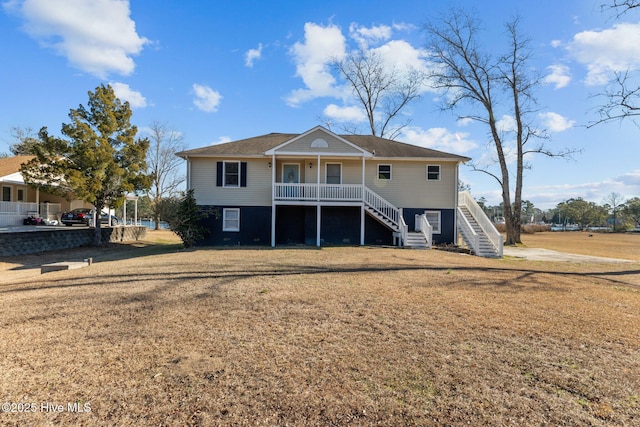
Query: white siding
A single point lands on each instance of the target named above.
(409, 187)
(256, 193)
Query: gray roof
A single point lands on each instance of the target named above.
(381, 147)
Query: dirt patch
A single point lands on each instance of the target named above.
(332, 336)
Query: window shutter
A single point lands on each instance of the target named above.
(219, 174)
(243, 174)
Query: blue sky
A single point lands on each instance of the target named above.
(220, 71)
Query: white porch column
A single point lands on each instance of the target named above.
(273, 201)
(318, 180)
(124, 211)
(318, 219)
(135, 212)
(362, 225)
(362, 214)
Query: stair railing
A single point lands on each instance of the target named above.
(404, 230)
(383, 207)
(465, 199)
(423, 225)
(469, 235)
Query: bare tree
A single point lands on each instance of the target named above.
(490, 85)
(382, 90)
(164, 166)
(622, 94)
(25, 139)
(615, 202)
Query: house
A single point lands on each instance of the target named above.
(20, 200)
(320, 188)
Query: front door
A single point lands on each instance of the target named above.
(291, 173)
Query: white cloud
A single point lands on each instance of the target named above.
(252, 55)
(97, 36)
(465, 121)
(125, 93)
(222, 140)
(559, 76)
(556, 43)
(554, 122)
(206, 99)
(345, 114)
(372, 35)
(506, 123)
(606, 51)
(548, 196)
(438, 139)
(402, 55)
(312, 57)
(403, 26)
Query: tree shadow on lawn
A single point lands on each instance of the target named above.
(507, 279)
(104, 252)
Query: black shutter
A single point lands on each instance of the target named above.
(243, 174)
(219, 174)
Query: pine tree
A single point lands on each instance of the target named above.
(100, 161)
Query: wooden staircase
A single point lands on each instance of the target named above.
(477, 231)
(416, 240)
(383, 219)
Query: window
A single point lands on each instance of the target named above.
(384, 172)
(21, 197)
(6, 194)
(334, 173)
(434, 219)
(433, 172)
(231, 219)
(231, 174)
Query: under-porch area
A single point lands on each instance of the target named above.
(319, 225)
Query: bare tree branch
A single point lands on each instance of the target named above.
(622, 100)
(382, 91)
(620, 7)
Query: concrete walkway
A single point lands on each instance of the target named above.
(537, 254)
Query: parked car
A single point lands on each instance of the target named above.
(80, 216)
(84, 216)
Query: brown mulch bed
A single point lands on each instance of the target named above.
(332, 336)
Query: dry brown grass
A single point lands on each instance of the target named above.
(335, 336)
(610, 245)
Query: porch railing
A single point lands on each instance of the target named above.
(302, 192)
(322, 192)
(18, 208)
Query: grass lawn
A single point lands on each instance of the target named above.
(153, 335)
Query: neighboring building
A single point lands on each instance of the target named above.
(320, 188)
(19, 200)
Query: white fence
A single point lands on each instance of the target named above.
(14, 213)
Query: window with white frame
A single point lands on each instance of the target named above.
(231, 219)
(434, 219)
(384, 172)
(21, 196)
(6, 194)
(231, 174)
(433, 172)
(334, 173)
